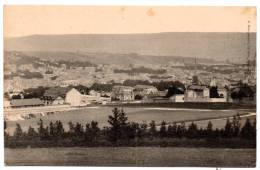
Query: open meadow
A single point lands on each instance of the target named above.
(136, 114)
(136, 156)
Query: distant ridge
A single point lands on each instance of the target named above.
(112, 58)
(217, 46)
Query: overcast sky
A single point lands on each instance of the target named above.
(28, 20)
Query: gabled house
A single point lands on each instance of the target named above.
(144, 91)
(122, 93)
(55, 95)
(177, 98)
(74, 98)
(197, 93)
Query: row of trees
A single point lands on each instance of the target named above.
(141, 70)
(122, 130)
(243, 90)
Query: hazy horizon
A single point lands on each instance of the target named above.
(120, 33)
(191, 31)
(218, 46)
(51, 20)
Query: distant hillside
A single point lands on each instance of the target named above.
(21, 58)
(110, 58)
(90, 59)
(218, 46)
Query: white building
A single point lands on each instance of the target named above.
(94, 93)
(58, 101)
(144, 90)
(74, 98)
(177, 98)
(213, 82)
(197, 93)
(122, 93)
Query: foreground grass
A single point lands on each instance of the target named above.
(132, 156)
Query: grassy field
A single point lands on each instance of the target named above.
(130, 156)
(137, 114)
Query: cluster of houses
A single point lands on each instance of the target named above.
(194, 92)
(138, 92)
(60, 96)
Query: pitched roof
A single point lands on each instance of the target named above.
(73, 90)
(59, 98)
(143, 87)
(122, 88)
(158, 94)
(26, 102)
(197, 87)
(55, 92)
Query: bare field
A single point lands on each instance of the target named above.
(139, 156)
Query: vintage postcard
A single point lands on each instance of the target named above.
(165, 86)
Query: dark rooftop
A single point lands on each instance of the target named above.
(26, 102)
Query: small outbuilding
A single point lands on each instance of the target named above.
(58, 101)
(177, 98)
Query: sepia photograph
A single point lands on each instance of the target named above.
(129, 86)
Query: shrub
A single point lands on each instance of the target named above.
(248, 130)
(152, 131)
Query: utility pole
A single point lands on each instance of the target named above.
(195, 62)
(248, 48)
(195, 78)
(248, 69)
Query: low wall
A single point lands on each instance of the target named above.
(217, 100)
(195, 105)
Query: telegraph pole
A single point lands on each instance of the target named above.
(248, 69)
(248, 48)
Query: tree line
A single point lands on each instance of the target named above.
(141, 70)
(120, 130)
